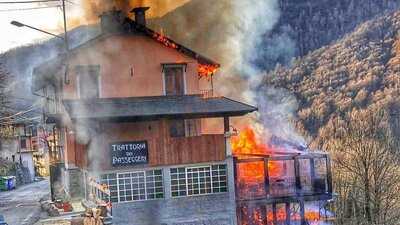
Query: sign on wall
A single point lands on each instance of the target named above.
(129, 153)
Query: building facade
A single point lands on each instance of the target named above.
(134, 114)
(137, 128)
(21, 144)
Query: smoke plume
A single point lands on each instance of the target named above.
(234, 33)
(231, 32)
(93, 8)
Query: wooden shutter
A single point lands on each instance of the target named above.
(174, 81)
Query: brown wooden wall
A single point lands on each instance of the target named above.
(187, 150)
(81, 155)
(163, 150)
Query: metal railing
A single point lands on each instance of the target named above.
(207, 93)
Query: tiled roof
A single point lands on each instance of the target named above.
(136, 108)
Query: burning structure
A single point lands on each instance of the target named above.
(273, 184)
(139, 130)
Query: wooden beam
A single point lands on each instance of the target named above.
(239, 212)
(226, 124)
(302, 213)
(292, 198)
(287, 208)
(263, 214)
(235, 177)
(297, 174)
(266, 177)
(275, 218)
(280, 156)
(329, 173)
(312, 172)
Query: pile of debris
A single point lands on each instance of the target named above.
(93, 216)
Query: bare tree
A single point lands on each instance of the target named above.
(5, 130)
(3, 89)
(367, 173)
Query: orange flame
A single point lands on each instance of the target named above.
(281, 215)
(164, 40)
(256, 216)
(246, 143)
(206, 70)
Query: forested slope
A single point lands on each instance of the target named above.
(361, 71)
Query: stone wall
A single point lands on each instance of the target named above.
(215, 209)
(212, 209)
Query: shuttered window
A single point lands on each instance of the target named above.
(174, 80)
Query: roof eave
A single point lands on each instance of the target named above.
(164, 116)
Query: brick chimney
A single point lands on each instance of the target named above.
(111, 21)
(140, 15)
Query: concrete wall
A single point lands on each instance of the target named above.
(27, 161)
(130, 66)
(215, 209)
(212, 209)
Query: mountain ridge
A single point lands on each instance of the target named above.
(358, 72)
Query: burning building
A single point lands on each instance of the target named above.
(139, 129)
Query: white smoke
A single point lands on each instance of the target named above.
(254, 19)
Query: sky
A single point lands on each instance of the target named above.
(39, 15)
(49, 19)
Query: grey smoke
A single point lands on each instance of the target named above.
(253, 19)
(277, 113)
(277, 107)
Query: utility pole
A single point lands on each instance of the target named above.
(65, 26)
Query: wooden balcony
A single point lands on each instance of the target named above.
(266, 183)
(283, 178)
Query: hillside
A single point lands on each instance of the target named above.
(361, 71)
(313, 24)
(304, 25)
(19, 63)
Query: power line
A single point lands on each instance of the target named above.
(20, 113)
(36, 1)
(38, 118)
(71, 2)
(33, 8)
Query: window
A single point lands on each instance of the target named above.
(23, 143)
(135, 186)
(174, 80)
(191, 181)
(88, 81)
(111, 181)
(193, 127)
(178, 182)
(177, 128)
(185, 128)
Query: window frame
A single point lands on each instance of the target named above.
(211, 181)
(78, 78)
(144, 172)
(174, 65)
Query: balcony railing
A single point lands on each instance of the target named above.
(274, 177)
(207, 93)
